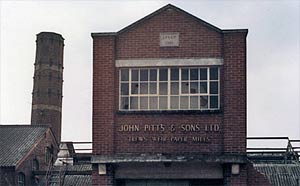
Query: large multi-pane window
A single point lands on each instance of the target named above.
(169, 88)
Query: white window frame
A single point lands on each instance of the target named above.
(138, 95)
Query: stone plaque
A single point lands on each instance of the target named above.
(101, 169)
(169, 39)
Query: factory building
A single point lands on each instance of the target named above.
(169, 103)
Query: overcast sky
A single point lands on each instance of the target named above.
(272, 43)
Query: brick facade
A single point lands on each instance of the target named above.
(198, 39)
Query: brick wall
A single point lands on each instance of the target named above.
(103, 94)
(234, 82)
(235, 180)
(38, 152)
(214, 145)
(196, 40)
(7, 176)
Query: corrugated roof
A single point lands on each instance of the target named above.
(76, 180)
(75, 175)
(16, 141)
(80, 167)
(280, 174)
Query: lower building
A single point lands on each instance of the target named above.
(25, 149)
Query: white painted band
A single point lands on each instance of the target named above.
(169, 62)
(48, 67)
(46, 107)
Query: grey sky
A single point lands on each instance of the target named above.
(273, 55)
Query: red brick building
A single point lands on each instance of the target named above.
(25, 150)
(169, 103)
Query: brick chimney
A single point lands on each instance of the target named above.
(48, 81)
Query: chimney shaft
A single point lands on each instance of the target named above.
(48, 81)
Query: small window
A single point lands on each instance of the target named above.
(35, 165)
(21, 179)
(48, 155)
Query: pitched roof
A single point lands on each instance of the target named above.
(169, 6)
(16, 141)
(280, 174)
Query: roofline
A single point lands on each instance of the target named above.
(53, 136)
(34, 146)
(30, 151)
(235, 31)
(164, 8)
(225, 31)
(23, 125)
(101, 34)
(9, 166)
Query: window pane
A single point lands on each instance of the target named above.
(153, 75)
(144, 88)
(134, 75)
(184, 87)
(193, 74)
(21, 179)
(194, 88)
(163, 88)
(153, 102)
(213, 101)
(124, 89)
(175, 74)
(213, 87)
(194, 102)
(124, 75)
(175, 88)
(163, 74)
(153, 88)
(184, 102)
(134, 88)
(213, 73)
(144, 103)
(174, 102)
(144, 75)
(124, 103)
(184, 74)
(35, 165)
(133, 103)
(203, 102)
(203, 74)
(163, 102)
(203, 87)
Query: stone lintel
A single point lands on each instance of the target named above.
(223, 158)
(160, 62)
